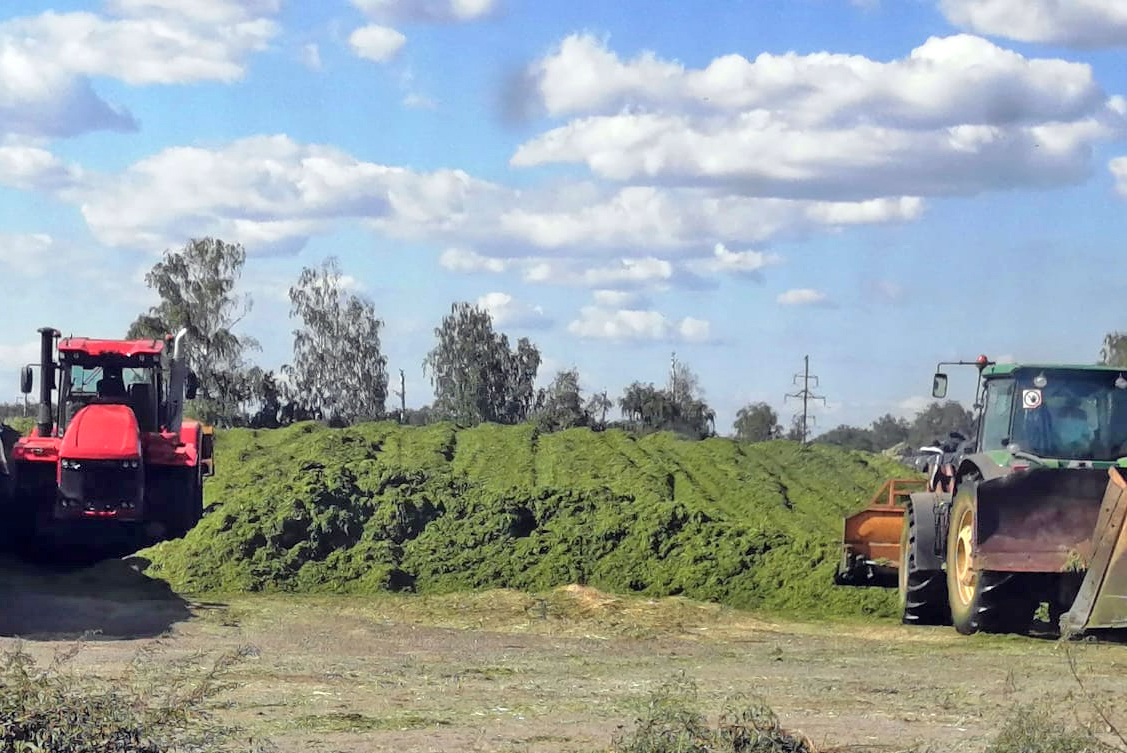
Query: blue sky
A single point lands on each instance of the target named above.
(880, 185)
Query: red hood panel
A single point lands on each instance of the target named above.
(102, 432)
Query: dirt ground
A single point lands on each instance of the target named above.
(564, 671)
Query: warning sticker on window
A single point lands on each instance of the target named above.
(1030, 399)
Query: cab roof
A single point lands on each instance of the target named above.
(1004, 369)
(121, 348)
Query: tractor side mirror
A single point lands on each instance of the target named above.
(939, 386)
(26, 380)
(191, 385)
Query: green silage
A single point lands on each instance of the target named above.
(439, 509)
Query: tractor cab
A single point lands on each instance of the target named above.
(1074, 415)
(133, 373)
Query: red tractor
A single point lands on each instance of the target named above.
(115, 450)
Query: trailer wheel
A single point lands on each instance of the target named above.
(923, 593)
(987, 601)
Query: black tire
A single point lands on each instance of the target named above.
(923, 593)
(981, 601)
(186, 508)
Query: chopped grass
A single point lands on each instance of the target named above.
(438, 509)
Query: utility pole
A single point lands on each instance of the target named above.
(673, 375)
(402, 394)
(805, 395)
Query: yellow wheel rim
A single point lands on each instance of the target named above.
(965, 577)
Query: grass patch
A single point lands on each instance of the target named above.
(1044, 728)
(674, 723)
(155, 708)
(437, 509)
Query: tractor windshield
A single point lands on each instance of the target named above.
(92, 381)
(88, 383)
(1070, 414)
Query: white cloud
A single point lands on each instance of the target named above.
(465, 260)
(747, 263)
(1078, 23)
(506, 311)
(617, 298)
(310, 57)
(16, 356)
(630, 271)
(378, 43)
(272, 193)
(958, 115)
(803, 297)
(646, 217)
(267, 192)
(1118, 167)
(427, 11)
(694, 330)
(203, 11)
(943, 82)
(29, 255)
(417, 101)
(31, 167)
(644, 273)
(599, 323)
(46, 61)
(381, 42)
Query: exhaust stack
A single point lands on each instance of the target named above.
(44, 420)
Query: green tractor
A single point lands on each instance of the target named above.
(1029, 513)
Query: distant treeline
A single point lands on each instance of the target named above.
(338, 373)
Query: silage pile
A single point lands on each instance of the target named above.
(438, 509)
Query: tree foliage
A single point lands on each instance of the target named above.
(889, 431)
(338, 373)
(680, 408)
(475, 375)
(934, 422)
(560, 405)
(196, 285)
(795, 432)
(1114, 350)
(598, 405)
(938, 420)
(850, 437)
(757, 422)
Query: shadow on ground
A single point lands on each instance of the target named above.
(109, 600)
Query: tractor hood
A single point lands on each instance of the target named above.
(102, 432)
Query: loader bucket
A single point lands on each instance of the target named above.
(1102, 599)
(871, 538)
(1038, 521)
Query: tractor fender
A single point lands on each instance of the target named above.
(924, 550)
(982, 466)
(190, 434)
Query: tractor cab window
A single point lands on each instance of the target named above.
(86, 384)
(94, 381)
(996, 413)
(1071, 415)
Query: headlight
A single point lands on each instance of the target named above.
(130, 464)
(70, 465)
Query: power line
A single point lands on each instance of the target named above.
(806, 396)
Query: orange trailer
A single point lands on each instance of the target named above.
(871, 538)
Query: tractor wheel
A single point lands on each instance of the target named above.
(923, 593)
(197, 499)
(185, 511)
(987, 601)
